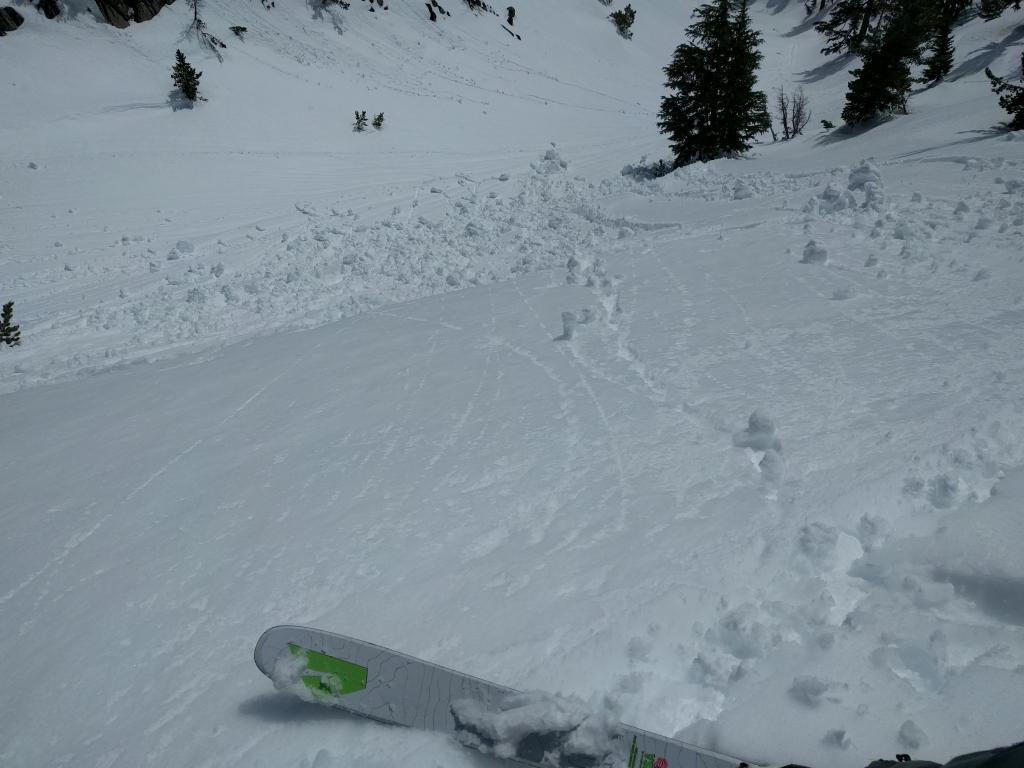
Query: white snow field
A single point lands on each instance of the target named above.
(736, 454)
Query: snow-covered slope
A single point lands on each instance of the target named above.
(431, 468)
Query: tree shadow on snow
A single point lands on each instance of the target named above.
(846, 132)
(777, 6)
(806, 25)
(973, 137)
(827, 69)
(984, 57)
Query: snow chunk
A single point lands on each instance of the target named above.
(836, 738)
(833, 199)
(772, 466)
(874, 196)
(759, 434)
(537, 727)
(911, 736)
(568, 326)
(808, 690)
(181, 248)
(865, 173)
(814, 253)
(742, 191)
(550, 163)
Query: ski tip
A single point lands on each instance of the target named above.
(270, 645)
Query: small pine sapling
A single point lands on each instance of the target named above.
(185, 77)
(828, 125)
(360, 123)
(378, 121)
(623, 21)
(239, 32)
(10, 334)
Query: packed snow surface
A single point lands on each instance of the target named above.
(734, 454)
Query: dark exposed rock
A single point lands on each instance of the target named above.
(10, 20)
(49, 8)
(120, 12)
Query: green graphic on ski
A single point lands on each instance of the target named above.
(393, 688)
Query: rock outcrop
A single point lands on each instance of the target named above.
(50, 8)
(121, 12)
(10, 20)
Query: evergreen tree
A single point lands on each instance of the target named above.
(849, 24)
(1011, 97)
(882, 83)
(10, 333)
(623, 21)
(939, 61)
(747, 113)
(360, 121)
(712, 109)
(185, 77)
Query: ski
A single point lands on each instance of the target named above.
(396, 689)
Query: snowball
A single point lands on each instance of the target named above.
(759, 434)
(808, 690)
(772, 466)
(836, 738)
(835, 199)
(814, 253)
(874, 196)
(568, 326)
(911, 736)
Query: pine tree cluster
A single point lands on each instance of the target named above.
(1011, 97)
(881, 86)
(891, 37)
(713, 109)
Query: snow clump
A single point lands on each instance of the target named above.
(759, 434)
(814, 253)
(911, 736)
(808, 690)
(537, 727)
(865, 173)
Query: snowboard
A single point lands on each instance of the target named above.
(396, 689)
